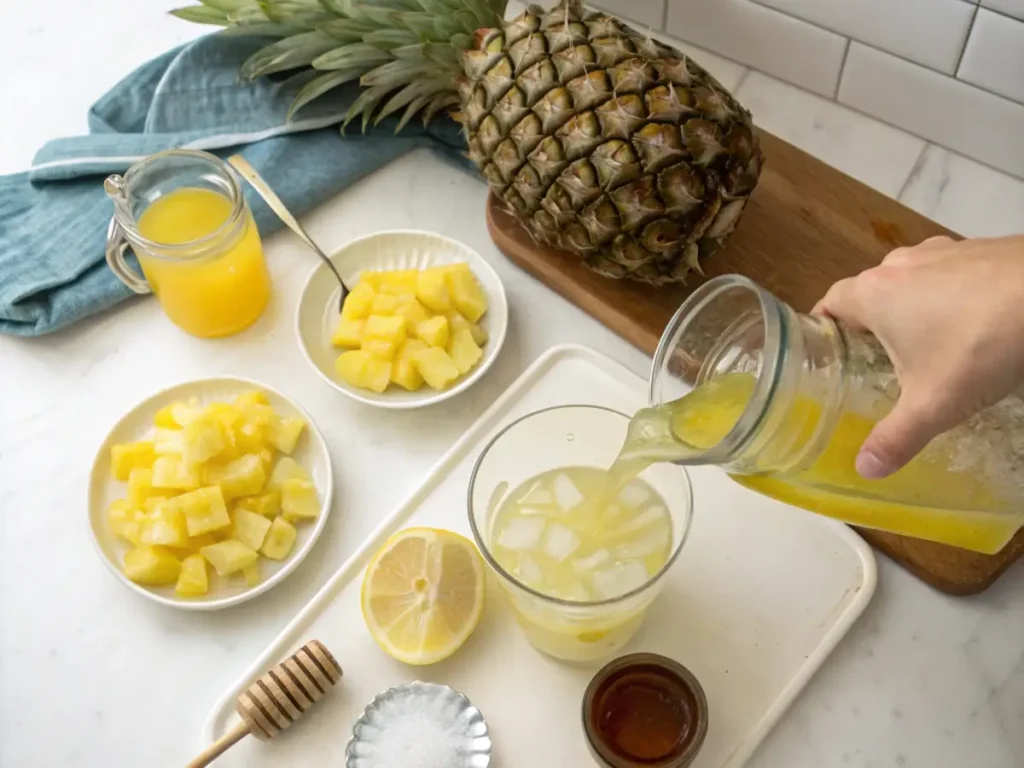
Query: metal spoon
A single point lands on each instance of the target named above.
(248, 173)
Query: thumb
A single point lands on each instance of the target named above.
(898, 437)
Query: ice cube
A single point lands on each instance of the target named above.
(576, 591)
(653, 542)
(648, 517)
(530, 511)
(529, 572)
(590, 562)
(560, 542)
(567, 495)
(612, 512)
(537, 495)
(619, 579)
(521, 533)
(634, 494)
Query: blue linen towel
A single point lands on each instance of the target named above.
(54, 217)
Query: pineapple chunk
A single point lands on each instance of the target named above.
(248, 437)
(153, 502)
(404, 371)
(384, 304)
(125, 521)
(124, 457)
(378, 374)
(151, 566)
(287, 469)
(165, 418)
(358, 302)
(173, 472)
(413, 312)
(226, 413)
(400, 282)
(185, 413)
(432, 289)
(280, 539)
(193, 578)
(434, 331)
(195, 543)
(203, 439)
(268, 456)
(299, 501)
(283, 434)
(166, 526)
(351, 367)
(250, 528)
(436, 368)
(457, 321)
(387, 328)
(267, 504)
(228, 556)
(463, 350)
(203, 510)
(348, 333)
(168, 441)
(243, 476)
(251, 572)
(466, 294)
(380, 348)
(249, 398)
(140, 487)
(479, 334)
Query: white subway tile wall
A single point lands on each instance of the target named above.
(1011, 7)
(930, 32)
(994, 58)
(957, 115)
(647, 13)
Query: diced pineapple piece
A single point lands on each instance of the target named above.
(226, 413)
(153, 502)
(228, 556)
(166, 526)
(432, 289)
(268, 456)
(203, 439)
(173, 472)
(185, 413)
(378, 374)
(248, 437)
(463, 350)
(140, 487)
(287, 469)
(299, 501)
(413, 312)
(348, 333)
(458, 266)
(370, 279)
(151, 566)
(457, 321)
(267, 504)
(280, 539)
(251, 572)
(125, 521)
(434, 331)
(479, 334)
(168, 441)
(203, 510)
(383, 304)
(165, 418)
(193, 578)
(359, 301)
(243, 476)
(466, 294)
(250, 528)
(387, 328)
(351, 367)
(124, 457)
(436, 368)
(284, 433)
(250, 397)
(400, 282)
(382, 349)
(404, 371)
(195, 543)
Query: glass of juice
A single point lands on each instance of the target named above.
(183, 214)
(580, 552)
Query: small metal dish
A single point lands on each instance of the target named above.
(402, 724)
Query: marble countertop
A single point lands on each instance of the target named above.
(91, 674)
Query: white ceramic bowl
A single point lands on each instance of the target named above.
(317, 314)
(311, 453)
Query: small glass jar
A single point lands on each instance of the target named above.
(183, 214)
(803, 394)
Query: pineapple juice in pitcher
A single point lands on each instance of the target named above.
(784, 401)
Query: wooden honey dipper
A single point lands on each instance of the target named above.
(278, 698)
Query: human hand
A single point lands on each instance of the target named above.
(951, 317)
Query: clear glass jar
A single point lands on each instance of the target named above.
(783, 402)
(183, 214)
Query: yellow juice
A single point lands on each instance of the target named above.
(927, 499)
(219, 292)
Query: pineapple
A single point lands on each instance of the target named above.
(456, 322)
(202, 438)
(228, 556)
(280, 539)
(284, 433)
(432, 289)
(151, 566)
(165, 418)
(203, 510)
(384, 304)
(380, 348)
(434, 331)
(268, 456)
(172, 472)
(404, 371)
(140, 487)
(165, 525)
(244, 476)
(125, 521)
(359, 302)
(463, 350)
(249, 527)
(385, 327)
(168, 442)
(193, 579)
(287, 469)
(413, 312)
(299, 501)
(267, 504)
(399, 283)
(251, 573)
(466, 295)
(348, 333)
(436, 368)
(125, 457)
(599, 139)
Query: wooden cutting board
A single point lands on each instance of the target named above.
(806, 226)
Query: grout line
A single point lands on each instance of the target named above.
(915, 171)
(842, 67)
(1004, 14)
(967, 38)
(664, 15)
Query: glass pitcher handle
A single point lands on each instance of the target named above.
(116, 246)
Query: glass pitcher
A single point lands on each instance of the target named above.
(783, 402)
(183, 214)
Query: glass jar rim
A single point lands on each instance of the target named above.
(493, 563)
(237, 198)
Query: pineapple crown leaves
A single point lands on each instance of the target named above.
(406, 53)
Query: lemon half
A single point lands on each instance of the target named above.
(423, 594)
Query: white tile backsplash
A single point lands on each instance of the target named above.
(649, 13)
(965, 196)
(994, 58)
(877, 154)
(763, 38)
(954, 114)
(1011, 7)
(930, 32)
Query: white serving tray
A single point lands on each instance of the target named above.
(758, 599)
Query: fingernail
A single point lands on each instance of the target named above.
(870, 467)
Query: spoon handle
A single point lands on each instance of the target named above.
(249, 173)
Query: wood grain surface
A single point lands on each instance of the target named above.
(806, 226)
